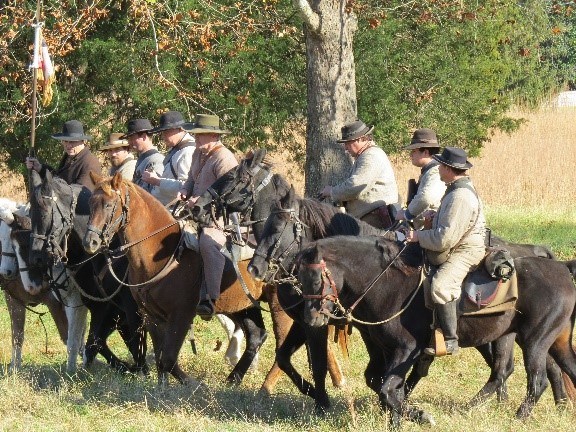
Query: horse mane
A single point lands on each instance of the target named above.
(327, 220)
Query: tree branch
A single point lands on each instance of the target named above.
(310, 17)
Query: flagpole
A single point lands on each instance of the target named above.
(35, 64)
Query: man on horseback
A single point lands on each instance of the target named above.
(177, 162)
(121, 160)
(210, 161)
(430, 188)
(77, 161)
(371, 186)
(455, 243)
(139, 137)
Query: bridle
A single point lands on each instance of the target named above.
(55, 241)
(328, 293)
(275, 259)
(244, 200)
(111, 225)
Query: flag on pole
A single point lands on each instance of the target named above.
(46, 73)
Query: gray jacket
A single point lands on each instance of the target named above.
(370, 185)
(151, 160)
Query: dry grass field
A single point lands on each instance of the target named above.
(526, 181)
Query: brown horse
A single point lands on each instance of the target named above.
(165, 279)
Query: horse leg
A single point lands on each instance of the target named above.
(535, 364)
(58, 315)
(419, 371)
(156, 334)
(554, 374)
(76, 313)
(17, 313)
(295, 338)
(281, 325)
(334, 368)
(235, 337)
(176, 327)
(133, 332)
(499, 355)
(563, 354)
(391, 394)
(317, 344)
(253, 326)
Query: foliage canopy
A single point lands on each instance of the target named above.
(457, 66)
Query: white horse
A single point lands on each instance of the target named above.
(69, 296)
(17, 298)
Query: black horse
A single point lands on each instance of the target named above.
(298, 221)
(366, 273)
(59, 214)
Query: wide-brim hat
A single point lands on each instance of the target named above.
(137, 126)
(72, 130)
(423, 138)
(172, 120)
(454, 157)
(207, 123)
(354, 130)
(115, 141)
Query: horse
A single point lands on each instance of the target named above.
(385, 303)
(18, 300)
(297, 221)
(165, 278)
(251, 189)
(59, 214)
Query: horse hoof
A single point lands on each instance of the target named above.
(427, 418)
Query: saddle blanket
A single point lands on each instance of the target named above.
(190, 240)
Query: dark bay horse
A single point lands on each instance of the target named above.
(165, 279)
(365, 272)
(59, 214)
(252, 190)
(294, 222)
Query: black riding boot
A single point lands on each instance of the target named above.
(447, 316)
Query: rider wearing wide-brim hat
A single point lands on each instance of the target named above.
(118, 152)
(176, 164)
(371, 186)
(77, 161)
(425, 195)
(139, 136)
(454, 244)
(210, 161)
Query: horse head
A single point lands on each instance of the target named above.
(236, 190)
(109, 206)
(318, 287)
(281, 240)
(52, 207)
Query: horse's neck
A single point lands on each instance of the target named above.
(146, 216)
(266, 200)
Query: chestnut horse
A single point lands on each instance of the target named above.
(385, 303)
(165, 278)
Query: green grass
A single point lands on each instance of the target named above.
(42, 398)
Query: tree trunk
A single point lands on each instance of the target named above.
(331, 86)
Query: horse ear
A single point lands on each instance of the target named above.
(116, 181)
(287, 201)
(95, 177)
(316, 255)
(23, 222)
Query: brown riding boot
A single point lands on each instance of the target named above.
(447, 318)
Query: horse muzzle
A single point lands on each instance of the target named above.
(313, 316)
(91, 242)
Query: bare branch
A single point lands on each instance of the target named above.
(310, 17)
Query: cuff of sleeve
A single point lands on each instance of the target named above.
(408, 215)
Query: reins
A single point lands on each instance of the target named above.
(347, 312)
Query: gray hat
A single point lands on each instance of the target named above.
(207, 123)
(354, 130)
(454, 157)
(172, 120)
(72, 130)
(138, 126)
(423, 138)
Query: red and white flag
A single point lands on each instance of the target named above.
(46, 72)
